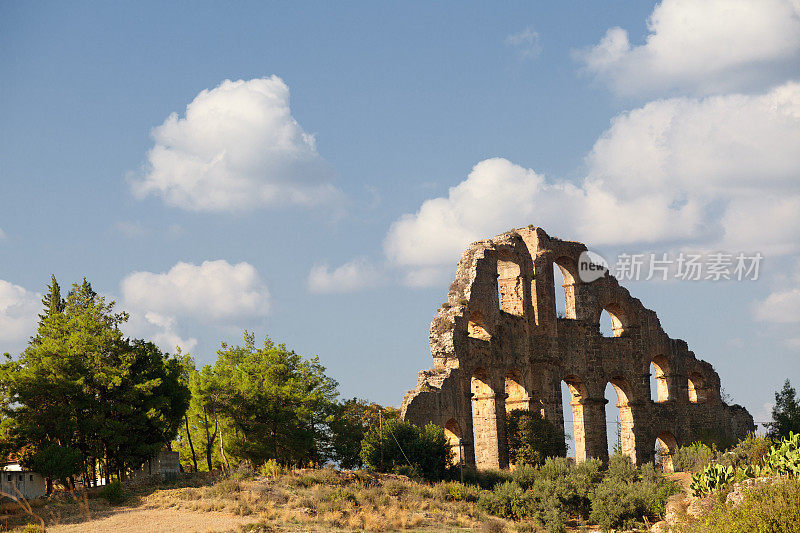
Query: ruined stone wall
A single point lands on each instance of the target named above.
(497, 345)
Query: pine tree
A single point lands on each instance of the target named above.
(81, 393)
(278, 403)
(785, 413)
(52, 301)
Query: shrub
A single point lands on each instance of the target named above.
(621, 468)
(395, 487)
(343, 495)
(525, 475)
(486, 479)
(508, 500)
(226, 487)
(627, 495)
(532, 438)
(748, 451)
(453, 491)
(271, 469)
(404, 448)
(765, 508)
(113, 493)
(693, 458)
(617, 503)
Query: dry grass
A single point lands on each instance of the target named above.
(307, 500)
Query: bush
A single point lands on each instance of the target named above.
(508, 500)
(453, 491)
(693, 458)
(225, 488)
(485, 479)
(271, 469)
(404, 448)
(627, 495)
(749, 451)
(113, 493)
(616, 503)
(768, 508)
(525, 475)
(532, 438)
(620, 468)
(551, 493)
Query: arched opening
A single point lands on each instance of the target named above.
(564, 288)
(606, 327)
(453, 434)
(476, 327)
(619, 419)
(659, 369)
(509, 286)
(573, 418)
(560, 295)
(611, 324)
(484, 420)
(666, 446)
(697, 388)
(516, 395)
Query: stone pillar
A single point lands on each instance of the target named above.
(594, 428)
(502, 437)
(485, 411)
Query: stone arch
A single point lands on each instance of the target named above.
(484, 420)
(618, 321)
(566, 266)
(476, 327)
(516, 395)
(667, 446)
(452, 431)
(698, 392)
(661, 366)
(510, 286)
(626, 420)
(577, 390)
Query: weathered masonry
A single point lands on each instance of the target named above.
(498, 345)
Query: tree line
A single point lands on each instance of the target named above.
(85, 402)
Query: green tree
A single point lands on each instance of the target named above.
(353, 418)
(52, 301)
(785, 413)
(279, 403)
(80, 393)
(403, 448)
(203, 422)
(532, 438)
(184, 437)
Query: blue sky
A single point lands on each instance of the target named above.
(323, 194)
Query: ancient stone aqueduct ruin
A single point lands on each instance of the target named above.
(498, 345)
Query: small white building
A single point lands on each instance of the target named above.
(16, 481)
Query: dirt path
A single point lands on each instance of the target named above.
(137, 520)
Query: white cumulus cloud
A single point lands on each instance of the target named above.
(19, 309)
(702, 47)
(352, 276)
(214, 290)
(719, 171)
(237, 147)
(780, 306)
